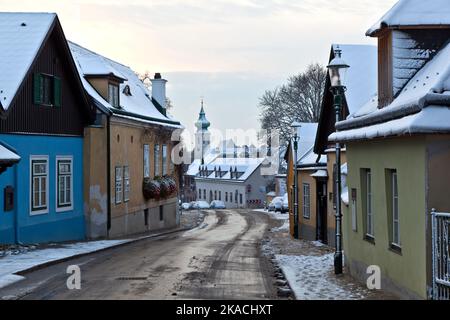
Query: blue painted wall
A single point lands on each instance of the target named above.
(18, 225)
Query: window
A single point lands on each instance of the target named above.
(369, 208)
(171, 163)
(126, 181)
(215, 195)
(39, 185)
(47, 90)
(146, 161)
(164, 159)
(395, 210)
(354, 212)
(204, 194)
(199, 194)
(236, 196)
(306, 200)
(113, 95)
(119, 186)
(226, 196)
(64, 186)
(220, 195)
(161, 213)
(157, 162)
(240, 198)
(231, 197)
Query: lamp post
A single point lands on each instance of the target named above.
(296, 138)
(337, 71)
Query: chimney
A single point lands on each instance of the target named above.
(159, 90)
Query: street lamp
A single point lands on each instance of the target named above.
(295, 127)
(337, 71)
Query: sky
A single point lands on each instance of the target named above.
(226, 51)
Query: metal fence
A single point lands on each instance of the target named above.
(441, 259)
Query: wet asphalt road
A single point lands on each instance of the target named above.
(219, 260)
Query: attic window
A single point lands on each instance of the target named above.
(127, 91)
(113, 95)
(23, 24)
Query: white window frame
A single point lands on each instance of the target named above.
(118, 185)
(306, 201)
(164, 159)
(370, 230)
(126, 183)
(58, 206)
(157, 159)
(113, 95)
(396, 241)
(42, 210)
(146, 161)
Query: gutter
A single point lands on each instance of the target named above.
(130, 114)
(108, 172)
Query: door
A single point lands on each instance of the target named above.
(321, 228)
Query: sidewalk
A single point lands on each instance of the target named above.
(17, 260)
(308, 267)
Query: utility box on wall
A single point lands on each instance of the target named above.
(9, 198)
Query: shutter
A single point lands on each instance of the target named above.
(57, 92)
(37, 88)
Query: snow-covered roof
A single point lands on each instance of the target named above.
(362, 75)
(311, 158)
(320, 174)
(195, 165)
(138, 104)
(7, 155)
(307, 136)
(421, 107)
(21, 37)
(414, 13)
(244, 166)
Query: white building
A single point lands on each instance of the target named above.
(238, 182)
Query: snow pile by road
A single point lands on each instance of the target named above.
(12, 264)
(284, 227)
(274, 215)
(312, 278)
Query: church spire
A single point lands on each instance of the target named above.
(202, 123)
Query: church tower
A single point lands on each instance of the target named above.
(202, 136)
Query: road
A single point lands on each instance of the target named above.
(219, 260)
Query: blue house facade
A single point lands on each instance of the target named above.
(43, 113)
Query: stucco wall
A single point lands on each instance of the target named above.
(53, 226)
(403, 273)
(307, 227)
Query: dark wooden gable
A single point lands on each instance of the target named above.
(327, 117)
(71, 114)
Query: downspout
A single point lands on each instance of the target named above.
(16, 212)
(108, 173)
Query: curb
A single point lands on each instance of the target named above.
(53, 262)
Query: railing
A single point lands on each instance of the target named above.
(440, 255)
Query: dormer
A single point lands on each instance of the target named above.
(408, 37)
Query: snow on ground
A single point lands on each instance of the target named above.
(311, 278)
(284, 227)
(12, 264)
(274, 215)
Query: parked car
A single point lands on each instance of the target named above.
(186, 206)
(216, 204)
(285, 206)
(201, 205)
(276, 204)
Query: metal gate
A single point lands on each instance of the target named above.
(441, 259)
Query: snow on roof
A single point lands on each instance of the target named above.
(245, 166)
(414, 13)
(430, 84)
(432, 119)
(307, 137)
(362, 75)
(195, 165)
(21, 37)
(7, 155)
(139, 103)
(310, 158)
(320, 174)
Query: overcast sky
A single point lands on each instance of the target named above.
(229, 51)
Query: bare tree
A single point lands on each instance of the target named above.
(299, 99)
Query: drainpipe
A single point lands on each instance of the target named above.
(16, 212)
(108, 172)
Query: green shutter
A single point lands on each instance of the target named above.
(57, 92)
(37, 88)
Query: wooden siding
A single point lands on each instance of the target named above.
(25, 117)
(385, 90)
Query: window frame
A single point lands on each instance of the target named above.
(306, 201)
(39, 210)
(118, 191)
(64, 207)
(164, 166)
(395, 210)
(146, 160)
(126, 184)
(156, 159)
(114, 100)
(370, 226)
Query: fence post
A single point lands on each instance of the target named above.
(433, 253)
